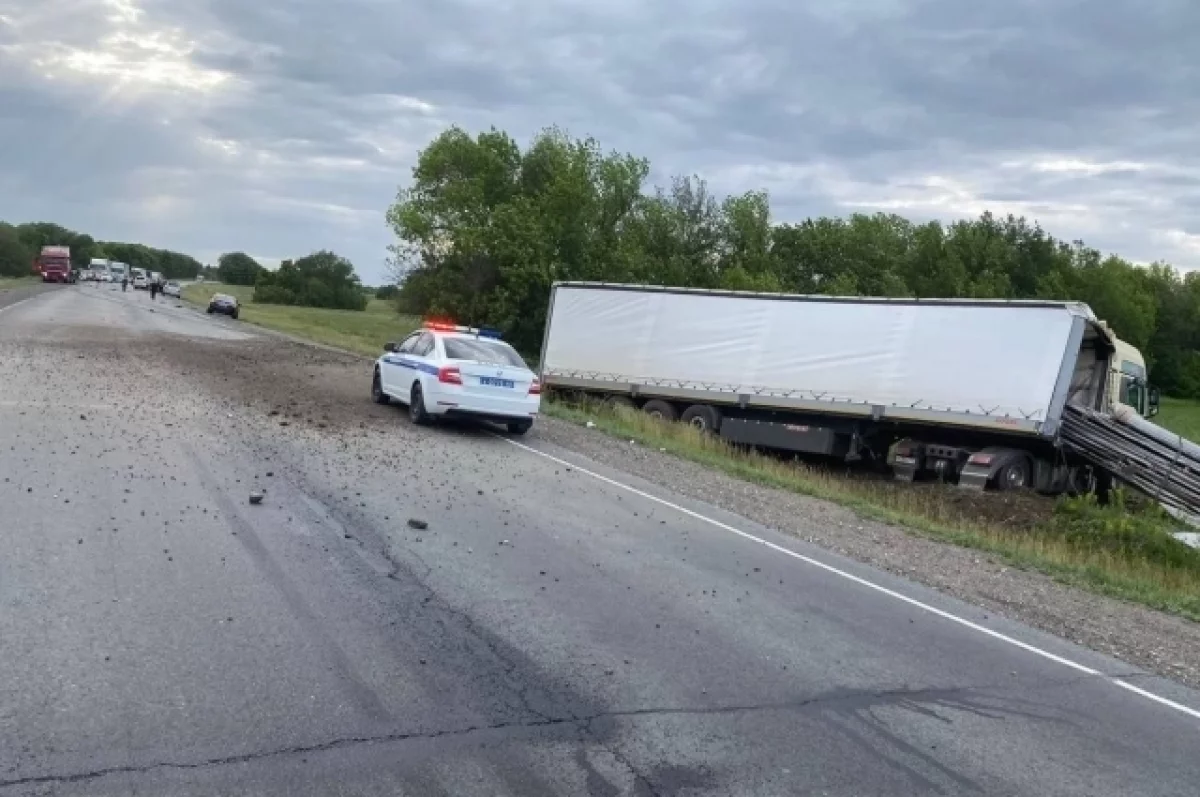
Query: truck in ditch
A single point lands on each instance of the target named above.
(967, 391)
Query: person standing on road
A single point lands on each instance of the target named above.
(153, 288)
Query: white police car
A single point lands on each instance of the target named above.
(443, 370)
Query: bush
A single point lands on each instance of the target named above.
(322, 279)
(1141, 532)
(16, 259)
(387, 292)
(238, 268)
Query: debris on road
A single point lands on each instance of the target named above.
(256, 497)
(414, 523)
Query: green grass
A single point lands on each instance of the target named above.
(1124, 552)
(363, 332)
(8, 283)
(1181, 416)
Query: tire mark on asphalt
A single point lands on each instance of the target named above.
(357, 689)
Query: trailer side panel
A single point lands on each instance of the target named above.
(987, 361)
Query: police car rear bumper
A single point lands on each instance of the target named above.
(484, 415)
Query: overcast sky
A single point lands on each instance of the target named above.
(282, 126)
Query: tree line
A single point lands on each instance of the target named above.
(485, 228)
(21, 243)
(321, 279)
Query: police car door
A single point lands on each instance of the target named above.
(396, 371)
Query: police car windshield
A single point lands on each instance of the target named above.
(482, 350)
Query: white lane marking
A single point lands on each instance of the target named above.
(1074, 665)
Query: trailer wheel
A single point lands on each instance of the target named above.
(1013, 476)
(663, 411)
(703, 417)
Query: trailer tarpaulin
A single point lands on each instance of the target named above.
(982, 358)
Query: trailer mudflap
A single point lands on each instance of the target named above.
(982, 466)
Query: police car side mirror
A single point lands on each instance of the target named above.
(389, 347)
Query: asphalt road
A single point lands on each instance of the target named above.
(551, 631)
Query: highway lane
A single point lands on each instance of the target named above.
(549, 632)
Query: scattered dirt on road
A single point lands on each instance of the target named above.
(324, 392)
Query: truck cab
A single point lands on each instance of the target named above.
(1128, 384)
(54, 264)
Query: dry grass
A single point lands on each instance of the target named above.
(1125, 552)
(8, 283)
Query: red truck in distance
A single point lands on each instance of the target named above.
(54, 264)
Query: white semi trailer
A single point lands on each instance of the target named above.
(971, 391)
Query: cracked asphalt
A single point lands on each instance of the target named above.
(547, 633)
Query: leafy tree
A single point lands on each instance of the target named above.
(83, 249)
(484, 229)
(37, 234)
(387, 292)
(238, 268)
(16, 258)
(322, 279)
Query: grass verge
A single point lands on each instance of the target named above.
(8, 283)
(1122, 551)
(1181, 416)
(363, 332)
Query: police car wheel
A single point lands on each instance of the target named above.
(377, 390)
(416, 407)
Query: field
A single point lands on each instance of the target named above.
(1181, 416)
(7, 283)
(362, 332)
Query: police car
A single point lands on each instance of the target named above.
(445, 371)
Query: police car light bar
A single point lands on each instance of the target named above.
(446, 326)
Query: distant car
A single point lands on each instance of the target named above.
(140, 282)
(172, 289)
(223, 303)
(447, 371)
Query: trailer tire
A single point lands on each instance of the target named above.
(704, 417)
(1016, 475)
(662, 410)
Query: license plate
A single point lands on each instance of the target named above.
(494, 382)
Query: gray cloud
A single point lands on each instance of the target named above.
(283, 126)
